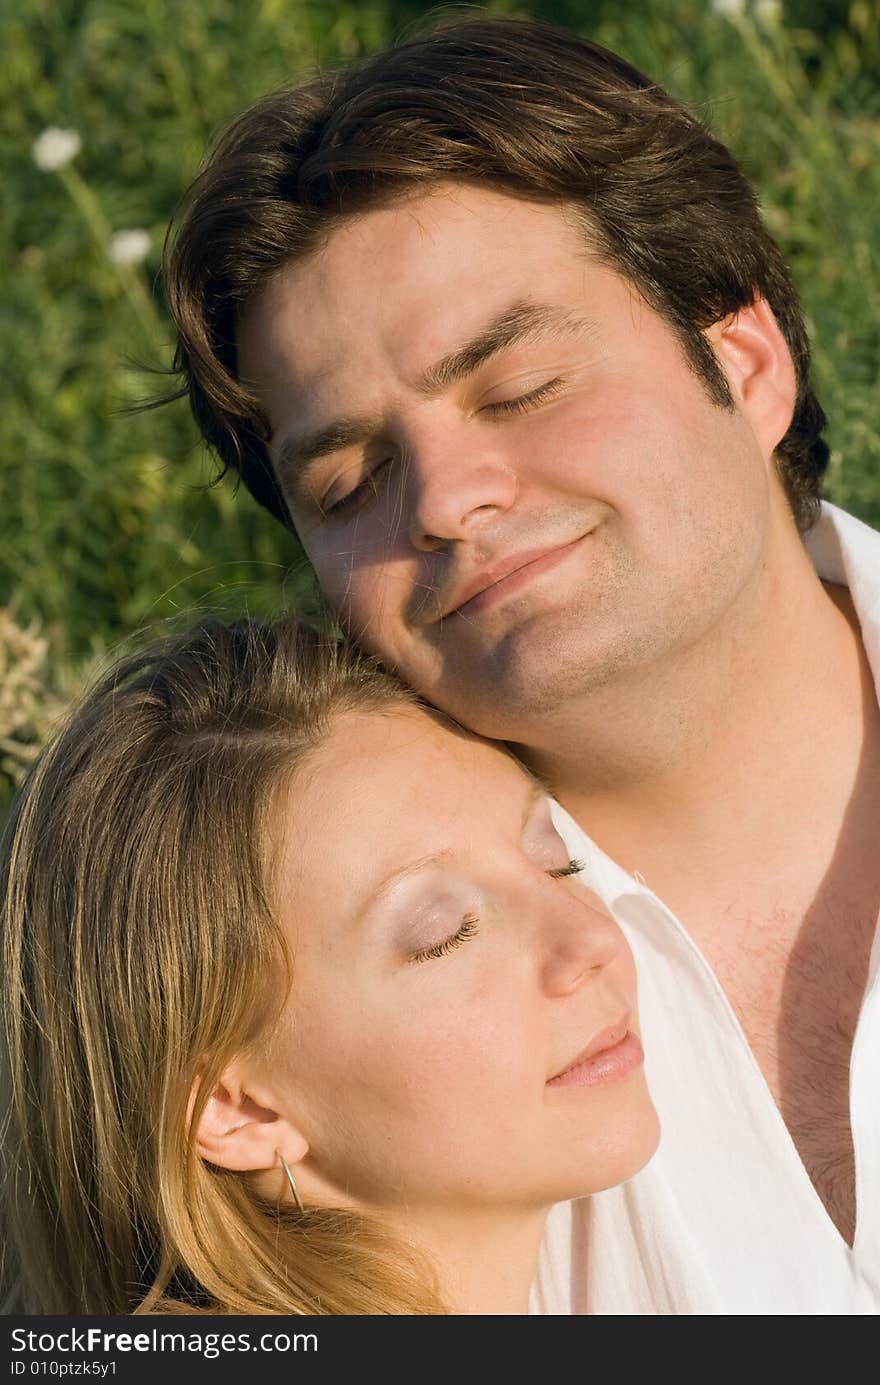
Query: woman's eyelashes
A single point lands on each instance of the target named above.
(573, 868)
(368, 488)
(469, 927)
(470, 924)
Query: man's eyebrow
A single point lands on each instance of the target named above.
(521, 321)
(297, 453)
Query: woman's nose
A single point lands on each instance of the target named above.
(579, 940)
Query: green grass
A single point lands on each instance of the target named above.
(105, 522)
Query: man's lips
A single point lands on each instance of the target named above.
(610, 1054)
(502, 578)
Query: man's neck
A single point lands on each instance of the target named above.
(742, 782)
(725, 750)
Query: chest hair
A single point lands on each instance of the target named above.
(796, 984)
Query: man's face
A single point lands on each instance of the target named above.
(508, 479)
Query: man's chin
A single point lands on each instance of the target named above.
(530, 675)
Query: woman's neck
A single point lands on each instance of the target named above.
(485, 1262)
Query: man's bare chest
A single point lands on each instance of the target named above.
(796, 982)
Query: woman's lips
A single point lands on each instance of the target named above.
(607, 1065)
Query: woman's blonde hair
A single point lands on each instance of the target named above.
(140, 955)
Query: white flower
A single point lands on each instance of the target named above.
(54, 148)
(733, 9)
(128, 247)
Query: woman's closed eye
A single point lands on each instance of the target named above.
(468, 928)
(470, 924)
(573, 868)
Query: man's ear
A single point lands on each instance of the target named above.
(236, 1131)
(755, 357)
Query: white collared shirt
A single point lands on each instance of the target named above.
(724, 1219)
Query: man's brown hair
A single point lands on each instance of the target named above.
(520, 107)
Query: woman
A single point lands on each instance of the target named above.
(304, 1011)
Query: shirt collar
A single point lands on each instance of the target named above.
(847, 552)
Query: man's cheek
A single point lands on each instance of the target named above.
(336, 566)
(369, 610)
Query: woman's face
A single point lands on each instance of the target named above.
(444, 973)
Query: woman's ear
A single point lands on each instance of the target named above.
(236, 1132)
(756, 359)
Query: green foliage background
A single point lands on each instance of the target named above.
(105, 523)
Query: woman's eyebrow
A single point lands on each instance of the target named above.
(536, 791)
(521, 321)
(439, 858)
(376, 895)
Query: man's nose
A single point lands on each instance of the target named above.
(456, 485)
(578, 941)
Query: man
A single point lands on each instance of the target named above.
(494, 325)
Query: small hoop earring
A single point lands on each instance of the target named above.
(286, 1167)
